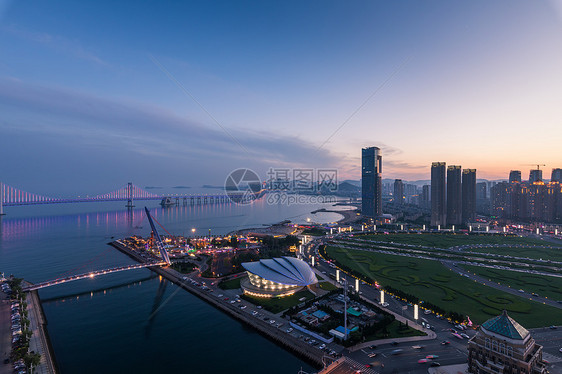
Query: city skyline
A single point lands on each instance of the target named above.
(94, 96)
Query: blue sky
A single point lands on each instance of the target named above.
(90, 91)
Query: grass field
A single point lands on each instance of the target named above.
(277, 305)
(394, 330)
(326, 286)
(432, 282)
(452, 240)
(232, 284)
(550, 287)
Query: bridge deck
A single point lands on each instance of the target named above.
(91, 274)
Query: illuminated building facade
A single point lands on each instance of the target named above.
(371, 182)
(537, 201)
(515, 176)
(502, 345)
(277, 277)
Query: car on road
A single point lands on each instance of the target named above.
(431, 357)
(396, 352)
(465, 335)
(290, 329)
(322, 346)
(434, 364)
(552, 327)
(445, 342)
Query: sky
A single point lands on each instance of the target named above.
(94, 94)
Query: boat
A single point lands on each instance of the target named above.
(167, 201)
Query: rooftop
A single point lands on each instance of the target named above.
(506, 326)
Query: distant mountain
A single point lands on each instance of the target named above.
(350, 181)
(153, 188)
(209, 186)
(348, 187)
(181, 187)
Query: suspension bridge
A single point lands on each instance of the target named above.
(165, 260)
(11, 196)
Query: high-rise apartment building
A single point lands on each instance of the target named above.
(515, 176)
(468, 195)
(535, 201)
(454, 195)
(438, 194)
(535, 175)
(371, 182)
(556, 175)
(398, 192)
(425, 198)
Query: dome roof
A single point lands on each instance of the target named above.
(506, 326)
(283, 270)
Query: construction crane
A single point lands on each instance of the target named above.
(537, 165)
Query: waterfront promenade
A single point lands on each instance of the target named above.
(299, 347)
(39, 342)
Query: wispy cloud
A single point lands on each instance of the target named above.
(144, 129)
(56, 42)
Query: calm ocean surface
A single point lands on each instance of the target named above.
(107, 324)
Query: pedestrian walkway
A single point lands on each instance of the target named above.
(38, 341)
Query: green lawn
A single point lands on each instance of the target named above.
(394, 330)
(432, 282)
(276, 305)
(451, 240)
(326, 286)
(232, 284)
(550, 287)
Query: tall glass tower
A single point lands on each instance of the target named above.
(371, 182)
(454, 193)
(438, 194)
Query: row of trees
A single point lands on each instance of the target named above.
(20, 350)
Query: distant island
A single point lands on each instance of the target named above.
(209, 186)
(153, 188)
(181, 187)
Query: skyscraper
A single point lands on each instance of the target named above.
(371, 182)
(556, 175)
(425, 196)
(468, 195)
(515, 176)
(438, 193)
(398, 192)
(454, 195)
(535, 175)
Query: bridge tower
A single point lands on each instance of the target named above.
(159, 243)
(129, 195)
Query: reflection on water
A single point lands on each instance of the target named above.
(131, 319)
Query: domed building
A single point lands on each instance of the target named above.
(504, 346)
(277, 277)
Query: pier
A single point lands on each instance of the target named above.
(298, 347)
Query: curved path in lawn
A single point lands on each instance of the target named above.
(452, 266)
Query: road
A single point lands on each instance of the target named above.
(453, 266)
(449, 354)
(453, 353)
(5, 333)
